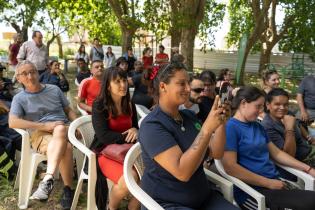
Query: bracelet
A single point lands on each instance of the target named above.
(308, 170)
(289, 132)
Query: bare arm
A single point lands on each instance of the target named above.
(83, 105)
(234, 169)
(300, 101)
(285, 159)
(70, 113)
(217, 143)
(183, 165)
(16, 122)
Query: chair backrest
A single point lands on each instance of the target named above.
(85, 127)
(142, 110)
(83, 112)
(133, 159)
(242, 185)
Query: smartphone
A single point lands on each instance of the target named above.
(224, 92)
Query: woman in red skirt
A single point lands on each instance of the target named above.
(114, 119)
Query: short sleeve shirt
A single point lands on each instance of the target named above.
(250, 142)
(89, 89)
(307, 89)
(159, 132)
(47, 105)
(276, 133)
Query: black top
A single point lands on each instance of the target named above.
(103, 135)
(204, 108)
(140, 95)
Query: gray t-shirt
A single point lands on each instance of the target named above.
(276, 133)
(307, 89)
(47, 105)
(97, 53)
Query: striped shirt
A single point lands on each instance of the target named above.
(37, 55)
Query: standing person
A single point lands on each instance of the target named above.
(90, 87)
(161, 58)
(13, 52)
(45, 112)
(54, 76)
(35, 51)
(174, 145)
(306, 99)
(130, 58)
(249, 156)
(147, 58)
(97, 52)
(81, 54)
(114, 120)
(110, 58)
(270, 80)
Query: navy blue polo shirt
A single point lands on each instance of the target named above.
(159, 132)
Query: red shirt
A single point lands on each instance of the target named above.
(161, 56)
(121, 123)
(14, 50)
(89, 89)
(147, 61)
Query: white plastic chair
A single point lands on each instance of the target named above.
(27, 169)
(76, 82)
(85, 127)
(142, 110)
(131, 91)
(133, 158)
(82, 111)
(305, 181)
(260, 198)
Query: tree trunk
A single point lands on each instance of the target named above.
(242, 73)
(175, 38)
(60, 51)
(24, 33)
(127, 36)
(49, 42)
(264, 58)
(187, 47)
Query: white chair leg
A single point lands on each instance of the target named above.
(17, 178)
(77, 194)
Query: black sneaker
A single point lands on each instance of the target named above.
(43, 191)
(67, 197)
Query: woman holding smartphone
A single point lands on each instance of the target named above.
(174, 145)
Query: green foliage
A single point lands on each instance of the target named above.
(241, 20)
(214, 13)
(301, 37)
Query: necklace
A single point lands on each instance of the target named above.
(181, 122)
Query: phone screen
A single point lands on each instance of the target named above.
(224, 92)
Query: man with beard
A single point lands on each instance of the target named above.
(195, 97)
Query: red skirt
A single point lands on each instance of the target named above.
(111, 169)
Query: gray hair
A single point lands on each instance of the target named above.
(23, 63)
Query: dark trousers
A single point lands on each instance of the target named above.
(281, 199)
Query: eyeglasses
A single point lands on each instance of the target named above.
(25, 74)
(197, 90)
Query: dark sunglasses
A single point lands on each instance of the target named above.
(197, 90)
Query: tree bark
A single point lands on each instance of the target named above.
(60, 50)
(264, 58)
(49, 42)
(126, 36)
(187, 47)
